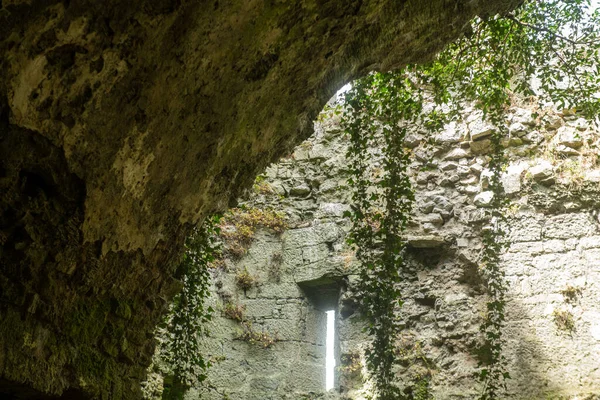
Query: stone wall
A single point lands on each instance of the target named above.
(122, 124)
(552, 266)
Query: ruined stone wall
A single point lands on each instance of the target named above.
(552, 266)
(124, 123)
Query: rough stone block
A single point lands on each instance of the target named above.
(516, 260)
(486, 176)
(511, 179)
(554, 246)
(592, 176)
(592, 256)
(523, 116)
(302, 237)
(283, 290)
(566, 150)
(568, 226)
(284, 329)
(333, 209)
(327, 232)
(569, 137)
(433, 218)
(452, 133)
(313, 254)
(443, 202)
(590, 242)
(471, 189)
(542, 170)
(456, 154)
(533, 137)
(517, 129)
(483, 199)
(480, 129)
(301, 153)
(593, 319)
(308, 376)
(264, 384)
(529, 248)
(448, 166)
(292, 256)
(472, 214)
(524, 230)
(476, 169)
(292, 311)
(300, 190)
(429, 241)
(259, 308)
(580, 124)
(320, 152)
(462, 242)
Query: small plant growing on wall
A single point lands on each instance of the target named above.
(350, 366)
(234, 311)
(239, 226)
(261, 186)
(252, 336)
(571, 293)
(218, 262)
(243, 279)
(564, 321)
(306, 145)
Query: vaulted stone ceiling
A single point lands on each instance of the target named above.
(122, 123)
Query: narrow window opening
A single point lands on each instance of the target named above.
(330, 351)
(323, 294)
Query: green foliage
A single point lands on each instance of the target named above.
(554, 41)
(375, 107)
(413, 358)
(493, 371)
(189, 313)
(419, 390)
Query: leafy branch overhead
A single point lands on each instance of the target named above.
(547, 50)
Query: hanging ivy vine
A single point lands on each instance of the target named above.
(547, 48)
(375, 108)
(186, 323)
(493, 370)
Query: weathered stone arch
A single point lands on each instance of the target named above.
(123, 123)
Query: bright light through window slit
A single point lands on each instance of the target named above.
(330, 353)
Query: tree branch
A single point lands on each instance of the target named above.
(546, 30)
